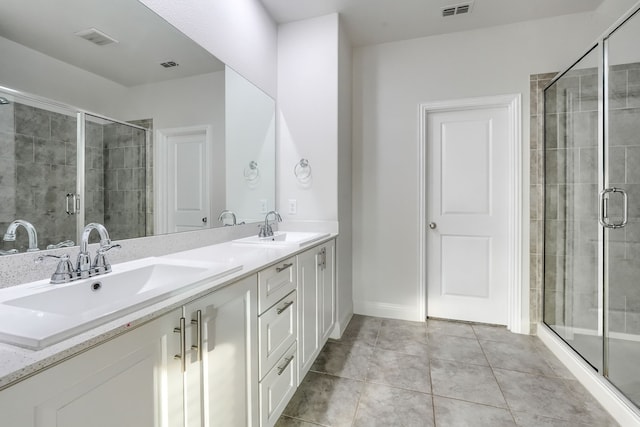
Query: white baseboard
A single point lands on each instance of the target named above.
(623, 411)
(389, 311)
(341, 325)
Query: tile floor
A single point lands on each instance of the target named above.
(395, 373)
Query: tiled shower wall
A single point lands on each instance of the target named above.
(572, 258)
(537, 83)
(38, 168)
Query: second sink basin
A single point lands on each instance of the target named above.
(284, 238)
(42, 314)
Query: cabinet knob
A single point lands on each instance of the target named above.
(433, 225)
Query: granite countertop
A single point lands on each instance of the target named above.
(19, 363)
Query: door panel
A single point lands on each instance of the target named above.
(188, 182)
(468, 214)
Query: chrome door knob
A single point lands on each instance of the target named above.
(432, 225)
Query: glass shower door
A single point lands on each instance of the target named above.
(115, 177)
(620, 203)
(572, 304)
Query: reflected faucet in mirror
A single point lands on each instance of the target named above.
(227, 213)
(10, 235)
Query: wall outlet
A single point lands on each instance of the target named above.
(263, 206)
(293, 206)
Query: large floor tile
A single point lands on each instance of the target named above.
(536, 394)
(399, 370)
(459, 349)
(344, 359)
(362, 329)
(472, 383)
(501, 333)
(525, 419)
(597, 415)
(326, 400)
(456, 329)
(523, 357)
(389, 407)
(414, 343)
(456, 413)
(292, 422)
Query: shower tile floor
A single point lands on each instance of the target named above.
(395, 373)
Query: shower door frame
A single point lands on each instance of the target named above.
(81, 114)
(622, 408)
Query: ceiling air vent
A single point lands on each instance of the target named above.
(96, 37)
(169, 64)
(457, 9)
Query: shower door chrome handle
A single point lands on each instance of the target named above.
(603, 215)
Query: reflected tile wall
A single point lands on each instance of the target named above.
(125, 195)
(38, 157)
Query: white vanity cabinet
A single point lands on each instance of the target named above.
(169, 372)
(131, 380)
(221, 357)
(278, 330)
(316, 296)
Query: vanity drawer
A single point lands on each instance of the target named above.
(278, 330)
(275, 282)
(277, 388)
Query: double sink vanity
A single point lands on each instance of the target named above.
(220, 335)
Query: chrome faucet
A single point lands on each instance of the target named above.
(84, 268)
(65, 271)
(10, 235)
(265, 229)
(226, 213)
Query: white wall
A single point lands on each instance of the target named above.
(250, 136)
(307, 123)
(32, 72)
(344, 247)
(239, 32)
(390, 81)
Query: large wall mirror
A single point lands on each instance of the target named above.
(109, 114)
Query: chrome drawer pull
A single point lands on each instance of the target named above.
(198, 322)
(284, 267)
(286, 363)
(183, 343)
(284, 308)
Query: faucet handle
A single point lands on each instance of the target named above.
(64, 271)
(100, 263)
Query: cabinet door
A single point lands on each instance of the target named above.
(130, 381)
(327, 290)
(308, 320)
(222, 368)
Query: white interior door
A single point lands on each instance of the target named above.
(468, 214)
(184, 173)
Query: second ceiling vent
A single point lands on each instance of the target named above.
(457, 9)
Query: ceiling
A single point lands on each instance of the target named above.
(144, 39)
(380, 21)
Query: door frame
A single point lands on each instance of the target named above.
(160, 167)
(518, 314)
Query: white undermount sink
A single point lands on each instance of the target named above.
(40, 314)
(284, 238)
